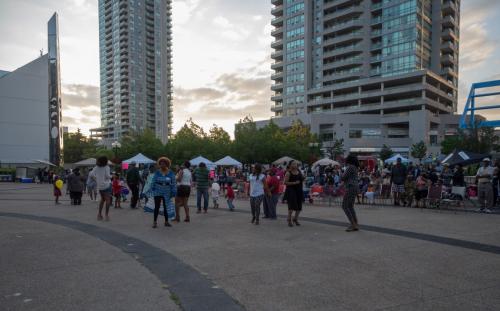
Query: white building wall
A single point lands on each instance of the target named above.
(24, 114)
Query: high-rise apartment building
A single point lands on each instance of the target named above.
(372, 72)
(135, 45)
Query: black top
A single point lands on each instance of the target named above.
(398, 174)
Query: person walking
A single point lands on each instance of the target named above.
(350, 179)
(133, 182)
(117, 190)
(102, 176)
(485, 187)
(163, 189)
(201, 174)
(230, 196)
(258, 188)
(75, 187)
(184, 180)
(398, 177)
(294, 193)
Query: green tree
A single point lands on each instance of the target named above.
(385, 153)
(474, 139)
(336, 148)
(419, 150)
(144, 142)
(78, 147)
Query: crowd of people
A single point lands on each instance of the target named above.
(170, 187)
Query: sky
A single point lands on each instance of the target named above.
(221, 55)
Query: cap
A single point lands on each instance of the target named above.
(486, 160)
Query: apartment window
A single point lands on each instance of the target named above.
(295, 8)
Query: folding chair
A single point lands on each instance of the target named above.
(434, 196)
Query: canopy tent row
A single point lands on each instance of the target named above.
(228, 161)
(395, 158)
(140, 159)
(88, 163)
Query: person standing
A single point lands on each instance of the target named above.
(485, 187)
(258, 188)
(458, 178)
(201, 174)
(102, 176)
(117, 190)
(133, 182)
(350, 179)
(230, 196)
(91, 187)
(273, 184)
(398, 177)
(294, 193)
(75, 187)
(163, 189)
(184, 180)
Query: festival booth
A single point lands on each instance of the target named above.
(394, 159)
(90, 162)
(140, 159)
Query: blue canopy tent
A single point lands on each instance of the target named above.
(394, 159)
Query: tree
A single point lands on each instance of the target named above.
(336, 148)
(385, 153)
(419, 150)
(473, 139)
(78, 147)
(145, 142)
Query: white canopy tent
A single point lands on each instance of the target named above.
(199, 159)
(228, 161)
(285, 159)
(325, 162)
(394, 159)
(88, 162)
(140, 159)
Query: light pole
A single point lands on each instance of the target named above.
(116, 145)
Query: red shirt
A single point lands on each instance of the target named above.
(274, 182)
(230, 193)
(116, 187)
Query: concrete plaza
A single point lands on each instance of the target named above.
(59, 257)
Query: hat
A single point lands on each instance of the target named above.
(486, 160)
(446, 164)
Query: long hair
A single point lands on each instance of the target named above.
(258, 169)
(102, 161)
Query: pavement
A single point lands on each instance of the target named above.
(59, 257)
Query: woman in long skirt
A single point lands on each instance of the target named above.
(294, 193)
(163, 188)
(350, 179)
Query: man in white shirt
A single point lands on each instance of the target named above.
(485, 187)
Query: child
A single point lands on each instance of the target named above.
(410, 187)
(57, 191)
(117, 190)
(370, 194)
(215, 194)
(230, 196)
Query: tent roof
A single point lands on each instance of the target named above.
(140, 159)
(228, 161)
(394, 159)
(286, 159)
(463, 158)
(325, 162)
(196, 161)
(89, 162)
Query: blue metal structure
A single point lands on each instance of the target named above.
(471, 106)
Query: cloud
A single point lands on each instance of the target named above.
(81, 108)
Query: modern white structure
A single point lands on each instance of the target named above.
(135, 50)
(30, 109)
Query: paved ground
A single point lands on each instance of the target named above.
(60, 258)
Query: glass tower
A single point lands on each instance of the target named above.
(135, 41)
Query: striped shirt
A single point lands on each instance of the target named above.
(350, 176)
(201, 175)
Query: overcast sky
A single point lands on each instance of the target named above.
(221, 55)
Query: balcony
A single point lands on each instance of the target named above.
(448, 59)
(277, 87)
(448, 47)
(277, 2)
(343, 50)
(449, 21)
(449, 71)
(344, 25)
(343, 12)
(343, 62)
(277, 10)
(278, 32)
(449, 34)
(277, 21)
(277, 65)
(277, 55)
(277, 76)
(278, 44)
(449, 7)
(352, 36)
